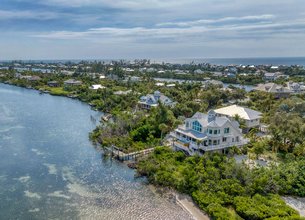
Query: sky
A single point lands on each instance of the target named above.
(159, 29)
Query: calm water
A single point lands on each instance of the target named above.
(49, 169)
(288, 61)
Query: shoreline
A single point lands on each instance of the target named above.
(187, 203)
(297, 203)
(183, 200)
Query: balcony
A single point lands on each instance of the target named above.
(223, 146)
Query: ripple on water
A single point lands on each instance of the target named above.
(32, 195)
(24, 179)
(52, 170)
(37, 152)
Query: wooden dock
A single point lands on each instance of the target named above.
(120, 155)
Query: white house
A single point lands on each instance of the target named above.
(207, 132)
(251, 117)
(96, 87)
(152, 100)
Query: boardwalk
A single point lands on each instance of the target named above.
(120, 155)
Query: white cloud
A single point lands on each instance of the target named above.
(9, 15)
(256, 18)
(180, 33)
(128, 4)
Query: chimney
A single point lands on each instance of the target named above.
(211, 116)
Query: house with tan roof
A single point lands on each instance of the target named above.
(278, 90)
(251, 117)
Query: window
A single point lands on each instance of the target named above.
(197, 126)
(232, 139)
(210, 142)
(237, 139)
(187, 124)
(224, 139)
(214, 142)
(210, 131)
(227, 130)
(215, 131)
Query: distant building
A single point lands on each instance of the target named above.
(273, 76)
(278, 90)
(296, 87)
(102, 77)
(207, 132)
(67, 72)
(198, 71)
(160, 84)
(30, 78)
(72, 82)
(208, 83)
(152, 100)
(122, 92)
(171, 85)
(251, 117)
(96, 87)
(217, 74)
(53, 84)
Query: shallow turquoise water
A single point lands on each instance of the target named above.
(50, 170)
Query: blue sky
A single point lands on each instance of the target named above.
(109, 29)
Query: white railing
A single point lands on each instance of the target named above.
(223, 146)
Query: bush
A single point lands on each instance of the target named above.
(262, 207)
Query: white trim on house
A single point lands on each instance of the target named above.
(207, 132)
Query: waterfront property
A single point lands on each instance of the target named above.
(251, 117)
(53, 84)
(279, 91)
(207, 132)
(296, 87)
(206, 84)
(72, 82)
(152, 100)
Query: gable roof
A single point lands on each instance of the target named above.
(244, 113)
(203, 119)
(272, 87)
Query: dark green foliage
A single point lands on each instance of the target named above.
(219, 186)
(262, 207)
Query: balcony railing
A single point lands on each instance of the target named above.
(188, 145)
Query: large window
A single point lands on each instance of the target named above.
(197, 126)
(227, 130)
